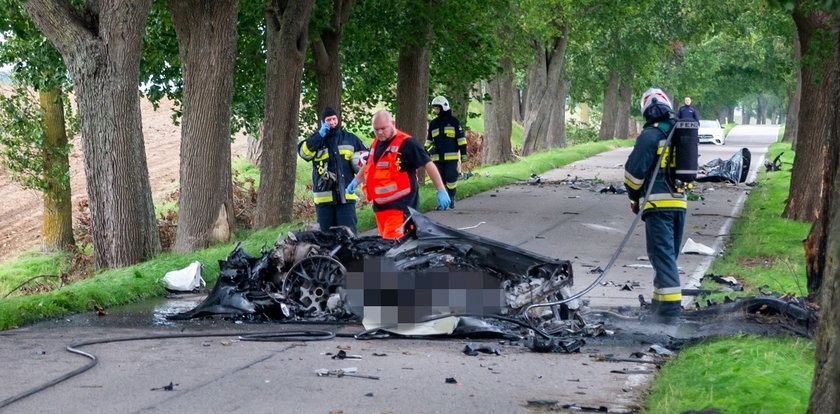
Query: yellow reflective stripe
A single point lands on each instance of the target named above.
(451, 186)
(435, 132)
(350, 196)
(322, 154)
(306, 151)
(323, 197)
(666, 204)
(449, 131)
(667, 290)
(670, 297)
(450, 156)
(434, 157)
(462, 141)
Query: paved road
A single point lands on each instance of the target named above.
(222, 374)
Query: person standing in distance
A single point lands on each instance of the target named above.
(447, 145)
(663, 210)
(330, 150)
(688, 112)
(390, 176)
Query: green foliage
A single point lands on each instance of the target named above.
(580, 132)
(744, 374)
(22, 142)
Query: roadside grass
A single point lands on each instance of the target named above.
(749, 374)
(728, 127)
(742, 374)
(765, 250)
(142, 281)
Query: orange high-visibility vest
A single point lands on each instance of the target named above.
(384, 181)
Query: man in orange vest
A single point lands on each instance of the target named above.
(390, 176)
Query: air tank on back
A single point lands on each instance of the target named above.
(685, 142)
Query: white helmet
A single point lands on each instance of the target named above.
(441, 102)
(358, 160)
(654, 94)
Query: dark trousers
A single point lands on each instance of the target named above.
(330, 215)
(449, 173)
(663, 233)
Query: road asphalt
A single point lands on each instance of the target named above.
(566, 216)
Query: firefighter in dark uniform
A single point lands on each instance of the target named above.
(447, 145)
(663, 210)
(330, 150)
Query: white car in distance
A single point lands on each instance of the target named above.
(710, 131)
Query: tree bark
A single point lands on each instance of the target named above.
(825, 390)
(206, 31)
(814, 149)
(518, 106)
(101, 48)
(413, 78)
(545, 77)
(760, 109)
(57, 225)
(325, 54)
(498, 121)
(794, 96)
(625, 96)
(746, 115)
(287, 22)
(610, 112)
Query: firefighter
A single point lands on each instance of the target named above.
(446, 145)
(390, 176)
(330, 150)
(663, 210)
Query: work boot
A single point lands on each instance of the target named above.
(452, 204)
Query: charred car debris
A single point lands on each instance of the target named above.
(332, 275)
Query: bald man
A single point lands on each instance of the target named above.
(390, 176)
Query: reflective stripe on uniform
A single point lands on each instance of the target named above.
(665, 200)
(306, 153)
(323, 197)
(449, 156)
(434, 157)
(383, 164)
(435, 132)
(346, 151)
(633, 182)
(322, 154)
(386, 189)
(462, 141)
(449, 131)
(667, 297)
(398, 194)
(452, 186)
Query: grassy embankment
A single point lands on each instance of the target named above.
(135, 283)
(749, 374)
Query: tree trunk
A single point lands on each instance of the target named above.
(825, 390)
(518, 106)
(498, 121)
(325, 53)
(610, 106)
(57, 227)
(206, 32)
(287, 22)
(413, 78)
(730, 114)
(814, 149)
(254, 151)
(794, 96)
(544, 101)
(557, 128)
(625, 96)
(746, 114)
(760, 109)
(101, 48)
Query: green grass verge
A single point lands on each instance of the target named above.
(743, 374)
(142, 281)
(749, 374)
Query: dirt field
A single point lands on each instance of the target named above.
(21, 210)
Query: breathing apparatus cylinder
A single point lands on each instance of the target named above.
(684, 146)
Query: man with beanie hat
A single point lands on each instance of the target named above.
(663, 210)
(330, 150)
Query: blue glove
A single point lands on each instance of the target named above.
(351, 188)
(324, 129)
(443, 199)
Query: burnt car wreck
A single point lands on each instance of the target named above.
(435, 270)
